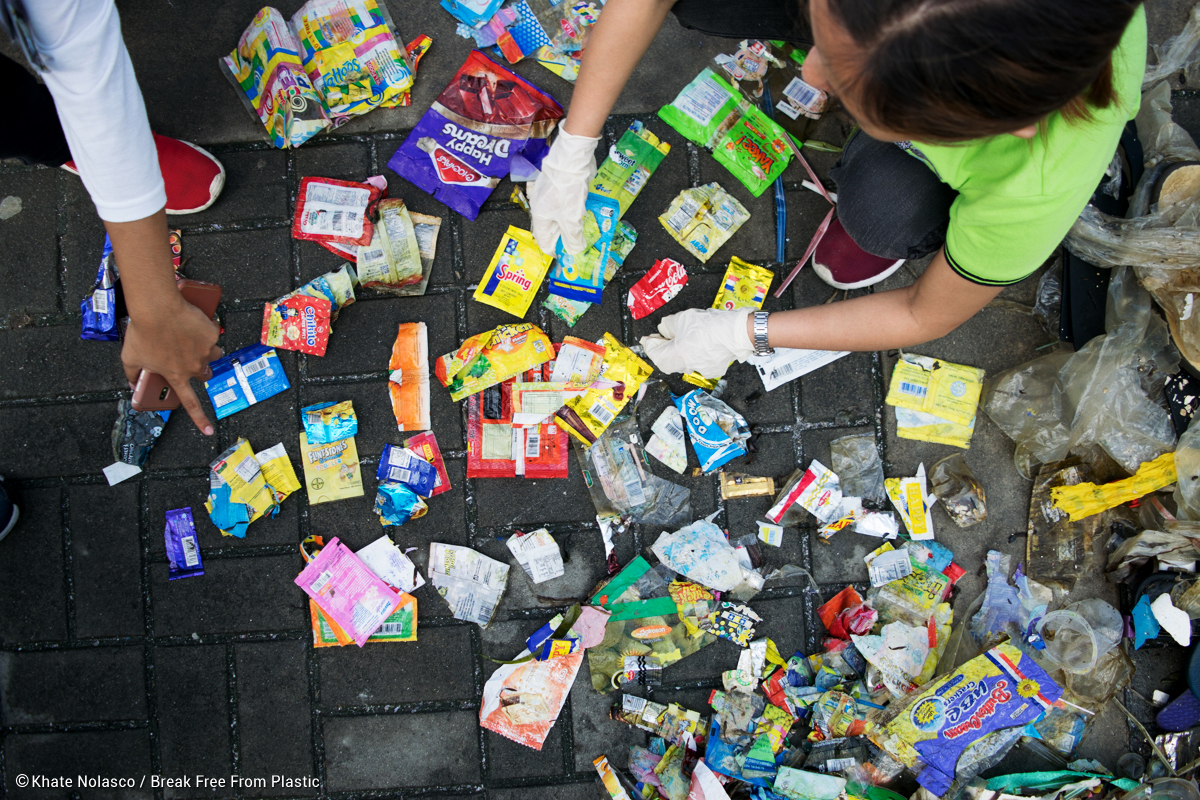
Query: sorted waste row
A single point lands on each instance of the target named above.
(901, 686)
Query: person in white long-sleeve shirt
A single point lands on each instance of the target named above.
(89, 118)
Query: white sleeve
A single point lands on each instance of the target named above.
(99, 105)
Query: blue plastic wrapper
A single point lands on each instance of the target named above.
(99, 309)
(709, 421)
(472, 12)
(396, 504)
(135, 432)
(542, 646)
(566, 280)
(721, 756)
(229, 517)
(326, 423)
(243, 378)
(183, 547)
(401, 465)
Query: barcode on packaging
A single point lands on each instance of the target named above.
(191, 554)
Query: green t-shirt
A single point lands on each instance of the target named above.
(1019, 197)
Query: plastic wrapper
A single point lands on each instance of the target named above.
(1085, 499)
(701, 553)
(732, 621)
(401, 465)
(816, 490)
(703, 218)
(391, 565)
(408, 377)
(718, 433)
(859, 468)
(1078, 636)
(243, 378)
(960, 493)
(1000, 689)
(738, 484)
(297, 322)
(515, 274)
(586, 416)
(325, 423)
(183, 546)
(644, 622)
(347, 592)
(1177, 53)
(487, 122)
(99, 308)
(656, 288)
(569, 311)
(522, 701)
(509, 432)
(399, 626)
(1026, 402)
(1180, 543)
(621, 484)
(672, 723)
(396, 503)
(470, 582)
(488, 358)
(135, 432)
(577, 363)
(331, 471)
(335, 211)
(538, 554)
(425, 445)
(393, 256)
(1058, 550)
(239, 470)
(667, 442)
(266, 69)
(913, 503)
(944, 397)
(277, 471)
(912, 599)
(713, 114)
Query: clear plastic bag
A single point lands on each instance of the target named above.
(1046, 308)
(961, 494)
(856, 461)
(1178, 52)
(1056, 549)
(1027, 404)
(621, 483)
(1187, 467)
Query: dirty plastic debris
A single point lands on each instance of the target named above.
(10, 206)
(701, 553)
(586, 416)
(667, 442)
(244, 378)
(347, 591)
(1085, 499)
(577, 363)
(713, 114)
(396, 503)
(887, 565)
(325, 423)
(856, 461)
(488, 358)
(816, 489)
(1078, 636)
(1058, 550)
(732, 621)
(656, 288)
(391, 565)
(135, 433)
(769, 533)
(718, 433)
(569, 311)
(408, 377)
(703, 218)
(738, 484)
(621, 484)
(913, 502)
(515, 274)
(183, 546)
(960, 493)
(538, 554)
(522, 701)
(470, 582)
(487, 122)
(1176, 621)
(331, 471)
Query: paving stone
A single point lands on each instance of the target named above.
(111, 755)
(55, 361)
(181, 444)
(349, 161)
(236, 595)
(96, 684)
(411, 750)
(251, 266)
(434, 668)
(193, 714)
(842, 392)
(504, 502)
(576, 791)
(583, 569)
(82, 242)
(106, 560)
(76, 433)
(34, 583)
(776, 458)
(593, 733)
(29, 242)
(274, 717)
(255, 188)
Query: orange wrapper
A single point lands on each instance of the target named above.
(408, 379)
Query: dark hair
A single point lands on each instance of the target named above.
(952, 70)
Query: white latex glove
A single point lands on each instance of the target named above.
(704, 340)
(558, 197)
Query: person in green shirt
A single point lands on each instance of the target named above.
(986, 126)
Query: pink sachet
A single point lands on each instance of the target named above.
(346, 590)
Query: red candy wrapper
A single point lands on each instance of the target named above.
(425, 445)
(297, 322)
(656, 288)
(330, 210)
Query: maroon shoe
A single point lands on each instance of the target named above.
(844, 265)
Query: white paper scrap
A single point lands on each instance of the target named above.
(390, 565)
(119, 471)
(538, 554)
(787, 364)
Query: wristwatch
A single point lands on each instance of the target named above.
(761, 348)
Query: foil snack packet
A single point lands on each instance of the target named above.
(486, 123)
(183, 547)
(401, 465)
(586, 416)
(325, 423)
(425, 445)
(393, 256)
(569, 311)
(656, 288)
(408, 377)
(99, 308)
(488, 358)
(329, 210)
(704, 218)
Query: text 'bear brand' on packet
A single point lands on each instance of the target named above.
(486, 123)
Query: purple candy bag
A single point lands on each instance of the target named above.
(486, 123)
(183, 547)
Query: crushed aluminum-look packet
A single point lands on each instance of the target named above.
(470, 582)
(135, 432)
(667, 443)
(492, 357)
(718, 433)
(588, 415)
(183, 546)
(402, 465)
(538, 554)
(326, 423)
(703, 218)
(393, 256)
(396, 503)
(656, 288)
(738, 484)
(99, 307)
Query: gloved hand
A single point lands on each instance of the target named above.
(557, 198)
(704, 340)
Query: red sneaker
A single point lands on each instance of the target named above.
(844, 265)
(193, 177)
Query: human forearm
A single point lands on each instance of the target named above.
(142, 252)
(615, 46)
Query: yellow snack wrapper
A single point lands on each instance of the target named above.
(331, 471)
(586, 416)
(745, 286)
(930, 385)
(277, 471)
(1084, 499)
(488, 358)
(517, 270)
(910, 497)
(930, 428)
(238, 467)
(704, 218)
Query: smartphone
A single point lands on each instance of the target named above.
(152, 392)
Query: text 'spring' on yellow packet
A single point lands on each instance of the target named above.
(516, 273)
